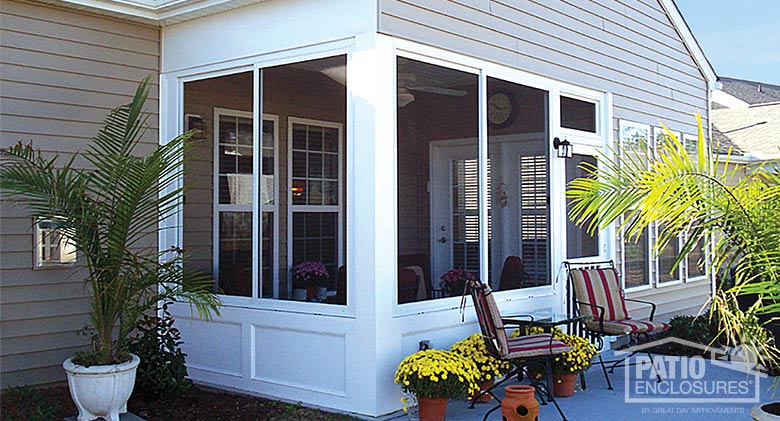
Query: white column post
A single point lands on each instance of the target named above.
(371, 208)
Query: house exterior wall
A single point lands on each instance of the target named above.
(62, 71)
(630, 49)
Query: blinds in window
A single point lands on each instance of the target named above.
(533, 216)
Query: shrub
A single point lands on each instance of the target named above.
(162, 372)
(26, 403)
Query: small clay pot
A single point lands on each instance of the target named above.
(520, 404)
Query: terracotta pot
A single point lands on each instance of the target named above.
(432, 409)
(519, 404)
(484, 398)
(311, 293)
(563, 386)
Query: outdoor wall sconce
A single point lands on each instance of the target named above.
(500, 195)
(563, 147)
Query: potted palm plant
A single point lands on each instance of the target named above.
(111, 213)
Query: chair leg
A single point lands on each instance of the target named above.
(604, 369)
(490, 391)
(491, 411)
(618, 362)
(541, 389)
(657, 374)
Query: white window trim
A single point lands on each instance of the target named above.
(217, 207)
(38, 264)
(596, 139)
(314, 208)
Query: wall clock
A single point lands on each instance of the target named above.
(501, 108)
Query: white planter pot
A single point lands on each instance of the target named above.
(101, 390)
(760, 412)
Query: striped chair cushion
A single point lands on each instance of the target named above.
(535, 346)
(495, 319)
(621, 327)
(600, 287)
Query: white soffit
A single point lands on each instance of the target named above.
(160, 13)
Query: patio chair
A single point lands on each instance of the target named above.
(595, 292)
(520, 351)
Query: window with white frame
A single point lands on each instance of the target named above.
(266, 192)
(52, 249)
(635, 256)
(640, 267)
(666, 272)
(316, 202)
(696, 260)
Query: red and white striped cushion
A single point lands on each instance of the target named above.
(621, 327)
(600, 287)
(535, 346)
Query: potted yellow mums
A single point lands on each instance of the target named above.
(490, 367)
(434, 377)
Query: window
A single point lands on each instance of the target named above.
(635, 256)
(519, 229)
(52, 249)
(316, 202)
(262, 199)
(438, 178)
(666, 260)
(579, 243)
(578, 115)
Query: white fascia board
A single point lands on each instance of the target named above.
(155, 12)
(690, 41)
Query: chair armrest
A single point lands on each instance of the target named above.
(652, 305)
(601, 312)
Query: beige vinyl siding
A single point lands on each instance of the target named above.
(61, 72)
(628, 48)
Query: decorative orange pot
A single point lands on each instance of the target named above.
(564, 384)
(432, 409)
(484, 398)
(520, 404)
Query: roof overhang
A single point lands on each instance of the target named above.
(690, 42)
(154, 12)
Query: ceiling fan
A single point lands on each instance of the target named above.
(407, 86)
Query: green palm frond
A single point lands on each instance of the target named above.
(685, 195)
(110, 212)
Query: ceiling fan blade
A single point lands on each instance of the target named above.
(438, 90)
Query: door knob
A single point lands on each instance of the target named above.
(442, 240)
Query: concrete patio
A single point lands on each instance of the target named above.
(599, 403)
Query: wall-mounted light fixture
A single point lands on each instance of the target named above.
(563, 147)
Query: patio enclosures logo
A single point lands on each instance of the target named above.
(723, 376)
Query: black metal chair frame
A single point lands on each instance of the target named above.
(520, 364)
(597, 336)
